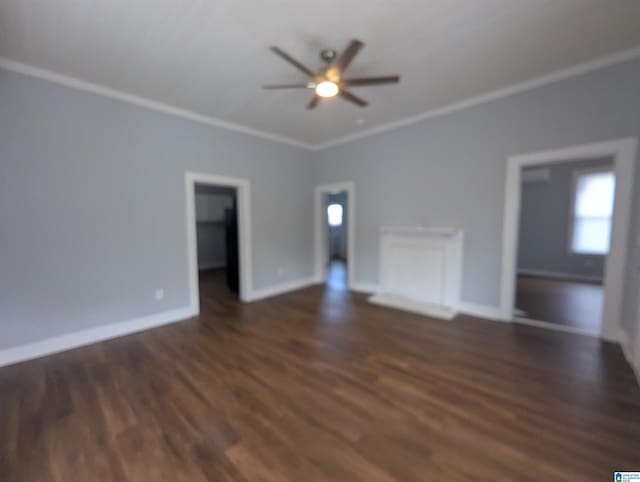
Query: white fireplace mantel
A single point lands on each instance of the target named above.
(420, 269)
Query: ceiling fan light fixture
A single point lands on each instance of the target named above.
(330, 81)
(327, 89)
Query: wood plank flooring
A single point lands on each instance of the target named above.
(561, 302)
(321, 386)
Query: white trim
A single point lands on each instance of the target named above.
(281, 288)
(76, 339)
(624, 158)
(495, 95)
(554, 326)
(366, 288)
(481, 311)
(243, 188)
(320, 229)
(412, 306)
(560, 276)
(525, 86)
(464, 307)
(105, 91)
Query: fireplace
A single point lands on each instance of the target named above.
(420, 270)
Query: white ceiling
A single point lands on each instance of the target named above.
(211, 56)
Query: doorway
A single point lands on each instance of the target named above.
(336, 207)
(334, 238)
(217, 240)
(218, 236)
(564, 238)
(623, 156)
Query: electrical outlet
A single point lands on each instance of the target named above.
(159, 294)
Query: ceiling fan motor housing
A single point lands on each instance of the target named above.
(328, 55)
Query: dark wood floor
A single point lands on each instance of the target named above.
(320, 385)
(562, 302)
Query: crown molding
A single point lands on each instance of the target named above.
(521, 87)
(525, 86)
(102, 90)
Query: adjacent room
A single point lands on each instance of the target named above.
(566, 212)
(322, 242)
(217, 241)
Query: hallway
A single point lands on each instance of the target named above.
(337, 276)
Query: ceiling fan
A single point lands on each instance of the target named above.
(330, 82)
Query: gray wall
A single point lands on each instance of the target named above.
(92, 207)
(546, 213)
(92, 198)
(450, 170)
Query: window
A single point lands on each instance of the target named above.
(334, 213)
(593, 211)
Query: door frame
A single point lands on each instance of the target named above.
(243, 197)
(623, 152)
(321, 232)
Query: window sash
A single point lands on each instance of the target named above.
(591, 235)
(592, 217)
(594, 194)
(334, 215)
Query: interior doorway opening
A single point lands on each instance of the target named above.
(564, 238)
(334, 235)
(336, 253)
(217, 240)
(230, 218)
(623, 154)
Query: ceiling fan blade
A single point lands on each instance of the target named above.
(288, 86)
(352, 98)
(388, 79)
(314, 102)
(293, 61)
(347, 56)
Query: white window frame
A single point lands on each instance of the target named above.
(572, 213)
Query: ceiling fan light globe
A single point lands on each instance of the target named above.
(327, 89)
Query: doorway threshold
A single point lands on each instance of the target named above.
(554, 326)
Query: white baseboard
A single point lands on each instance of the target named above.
(554, 326)
(554, 275)
(405, 304)
(481, 311)
(76, 339)
(367, 288)
(468, 308)
(280, 289)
